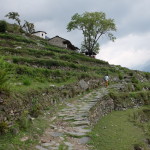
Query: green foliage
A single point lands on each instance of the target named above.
(138, 87)
(24, 121)
(16, 38)
(147, 75)
(3, 26)
(26, 81)
(5, 71)
(141, 118)
(29, 27)
(63, 147)
(14, 16)
(120, 76)
(134, 80)
(36, 110)
(116, 132)
(93, 25)
(3, 127)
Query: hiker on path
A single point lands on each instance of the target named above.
(106, 79)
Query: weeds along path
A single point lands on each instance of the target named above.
(70, 127)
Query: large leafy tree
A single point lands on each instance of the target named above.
(93, 25)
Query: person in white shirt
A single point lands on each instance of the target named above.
(106, 79)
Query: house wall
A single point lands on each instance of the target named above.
(40, 34)
(58, 42)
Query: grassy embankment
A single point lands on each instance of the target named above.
(122, 130)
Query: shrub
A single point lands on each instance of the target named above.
(3, 127)
(24, 121)
(134, 80)
(26, 81)
(3, 26)
(120, 76)
(138, 87)
(36, 110)
(4, 76)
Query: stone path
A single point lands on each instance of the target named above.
(70, 126)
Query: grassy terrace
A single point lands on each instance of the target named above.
(122, 130)
(39, 62)
(31, 62)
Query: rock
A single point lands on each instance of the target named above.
(18, 47)
(148, 141)
(53, 127)
(40, 147)
(137, 147)
(56, 134)
(46, 144)
(1, 101)
(78, 123)
(76, 133)
(68, 144)
(84, 140)
(83, 85)
(24, 139)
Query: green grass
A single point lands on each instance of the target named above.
(13, 142)
(116, 132)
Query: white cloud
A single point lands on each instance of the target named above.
(130, 51)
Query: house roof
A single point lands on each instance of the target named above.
(39, 31)
(59, 37)
(70, 46)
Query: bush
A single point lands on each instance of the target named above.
(134, 80)
(3, 127)
(26, 81)
(3, 26)
(4, 77)
(120, 76)
(24, 121)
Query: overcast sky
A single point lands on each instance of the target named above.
(132, 18)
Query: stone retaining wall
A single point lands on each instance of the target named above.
(12, 107)
(103, 106)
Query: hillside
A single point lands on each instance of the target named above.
(34, 76)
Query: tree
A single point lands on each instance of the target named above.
(14, 16)
(3, 26)
(93, 25)
(29, 27)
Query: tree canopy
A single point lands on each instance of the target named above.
(27, 26)
(93, 25)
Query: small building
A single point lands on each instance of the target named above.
(61, 42)
(91, 54)
(41, 34)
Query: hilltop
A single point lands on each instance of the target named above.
(35, 75)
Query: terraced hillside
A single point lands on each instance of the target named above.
(35, 75)
(31, 68)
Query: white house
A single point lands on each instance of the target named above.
(41, 34)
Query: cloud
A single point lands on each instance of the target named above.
(129, 51)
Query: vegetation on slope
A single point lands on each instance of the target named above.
(30, 68)
(122, 130)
